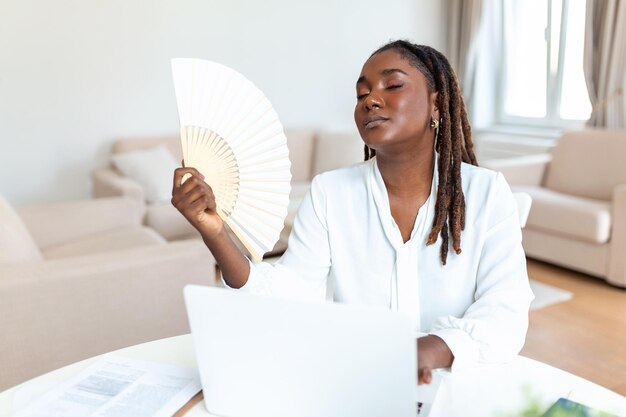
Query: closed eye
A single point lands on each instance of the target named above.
(361, 96)
(394, 86)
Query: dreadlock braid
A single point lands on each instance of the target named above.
(453, 142)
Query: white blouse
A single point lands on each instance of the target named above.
(344, 234)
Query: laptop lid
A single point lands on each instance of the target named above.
(261, 356)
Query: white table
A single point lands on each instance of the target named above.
(493, 391)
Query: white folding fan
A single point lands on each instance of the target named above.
(231, 134)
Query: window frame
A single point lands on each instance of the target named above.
(554, 81)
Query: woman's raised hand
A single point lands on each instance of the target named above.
(195, 200)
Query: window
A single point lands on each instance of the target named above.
(542, 81)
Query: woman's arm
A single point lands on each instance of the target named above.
(303, 270)
(300, 273)
(493, 328)
(195, 200)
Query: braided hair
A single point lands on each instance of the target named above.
(453, 140)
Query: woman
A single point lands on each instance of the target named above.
(380, 230)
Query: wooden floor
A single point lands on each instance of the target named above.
(585, 335)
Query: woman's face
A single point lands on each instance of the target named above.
(394, 106)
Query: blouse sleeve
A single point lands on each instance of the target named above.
(493, 328)
(302, 271)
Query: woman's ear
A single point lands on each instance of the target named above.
(434, 103)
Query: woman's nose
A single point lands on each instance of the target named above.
(373, 101)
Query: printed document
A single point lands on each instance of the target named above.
(121, 387)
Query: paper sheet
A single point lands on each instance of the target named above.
(120, 387)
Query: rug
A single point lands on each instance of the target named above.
(546, 295)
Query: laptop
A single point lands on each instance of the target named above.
(260, 356)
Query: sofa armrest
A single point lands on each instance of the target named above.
(54, 313)
(107, 182)
(617, 260)
(523, 170)
(56, 223)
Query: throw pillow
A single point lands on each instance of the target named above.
(16, 243)
(153, 168)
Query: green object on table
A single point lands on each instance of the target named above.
(567, 408)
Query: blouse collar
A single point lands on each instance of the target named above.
(381, 199)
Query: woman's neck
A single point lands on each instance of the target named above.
(409, 174)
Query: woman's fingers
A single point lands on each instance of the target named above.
(195, 200)
(197, 207)
(424, 375)
(200, 194)
(194, 182)
(185, 198)
(179, 173)
(192, 196)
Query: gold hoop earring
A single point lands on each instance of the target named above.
(434, 123)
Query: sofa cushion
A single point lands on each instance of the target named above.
(57, 223)
(16, 243)
(120, 239)
(588, 163)
(172, 143)
(153, 168)
(168, 222)
(567, 215)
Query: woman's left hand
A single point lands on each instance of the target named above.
(432, 353)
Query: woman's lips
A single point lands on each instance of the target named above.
(374, 121)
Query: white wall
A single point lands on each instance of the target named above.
(76, 74)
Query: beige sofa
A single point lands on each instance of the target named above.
(83, 278)
(578, 215)
(311, 152)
